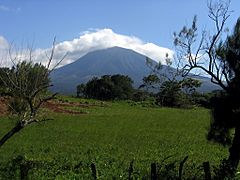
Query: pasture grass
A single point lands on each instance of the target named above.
(111, 135)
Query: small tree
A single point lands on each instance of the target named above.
(169, 85)
(189, 85)
(150, 82)
(27, 85)
(81, 90)
(170, 94)
(221, 61)
(177, 93)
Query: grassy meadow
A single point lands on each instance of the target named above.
(111, 135)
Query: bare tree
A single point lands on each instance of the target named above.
(220, 60)
(199, 50)
(27, 85)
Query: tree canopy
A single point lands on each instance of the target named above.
(107, 87)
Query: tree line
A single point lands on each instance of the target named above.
(171, 93)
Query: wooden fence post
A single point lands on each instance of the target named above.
(130, 171)
(207, 171)
(94, 171)
(153, 171)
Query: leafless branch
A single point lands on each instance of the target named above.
(188, 38)
(28, 82)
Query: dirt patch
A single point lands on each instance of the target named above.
(60, 107)
(52, 105)
(3, 106)
(55, 106)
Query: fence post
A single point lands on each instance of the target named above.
(24, 168)
(206, 167)
(153, 171)
(130, 171)
(94, 171)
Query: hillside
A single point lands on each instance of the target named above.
(109, 61)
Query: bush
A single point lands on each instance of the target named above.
(140, 95)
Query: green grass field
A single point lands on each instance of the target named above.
(111, 136)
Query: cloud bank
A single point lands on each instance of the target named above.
(95, 40)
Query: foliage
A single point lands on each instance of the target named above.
(27, 85)
(3, 79)
(189, 85)
(171, 89)
(225, 171)
(170, 94)
(81, 90)
(202, 99)
(220, 131)
(177, 93)
(150, 82)
(107, 87)
(123, 88)
(140, 95)
(226, 106)
(221, 61)
(27, 82)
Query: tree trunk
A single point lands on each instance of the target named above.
(234, 150)
(14, 130)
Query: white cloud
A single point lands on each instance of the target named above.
(3, 43)
(4, 8)
(101, 39)
(9, 9)
(4, 46)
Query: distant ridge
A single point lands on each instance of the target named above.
(115, 60)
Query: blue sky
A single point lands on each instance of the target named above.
(152, 21)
